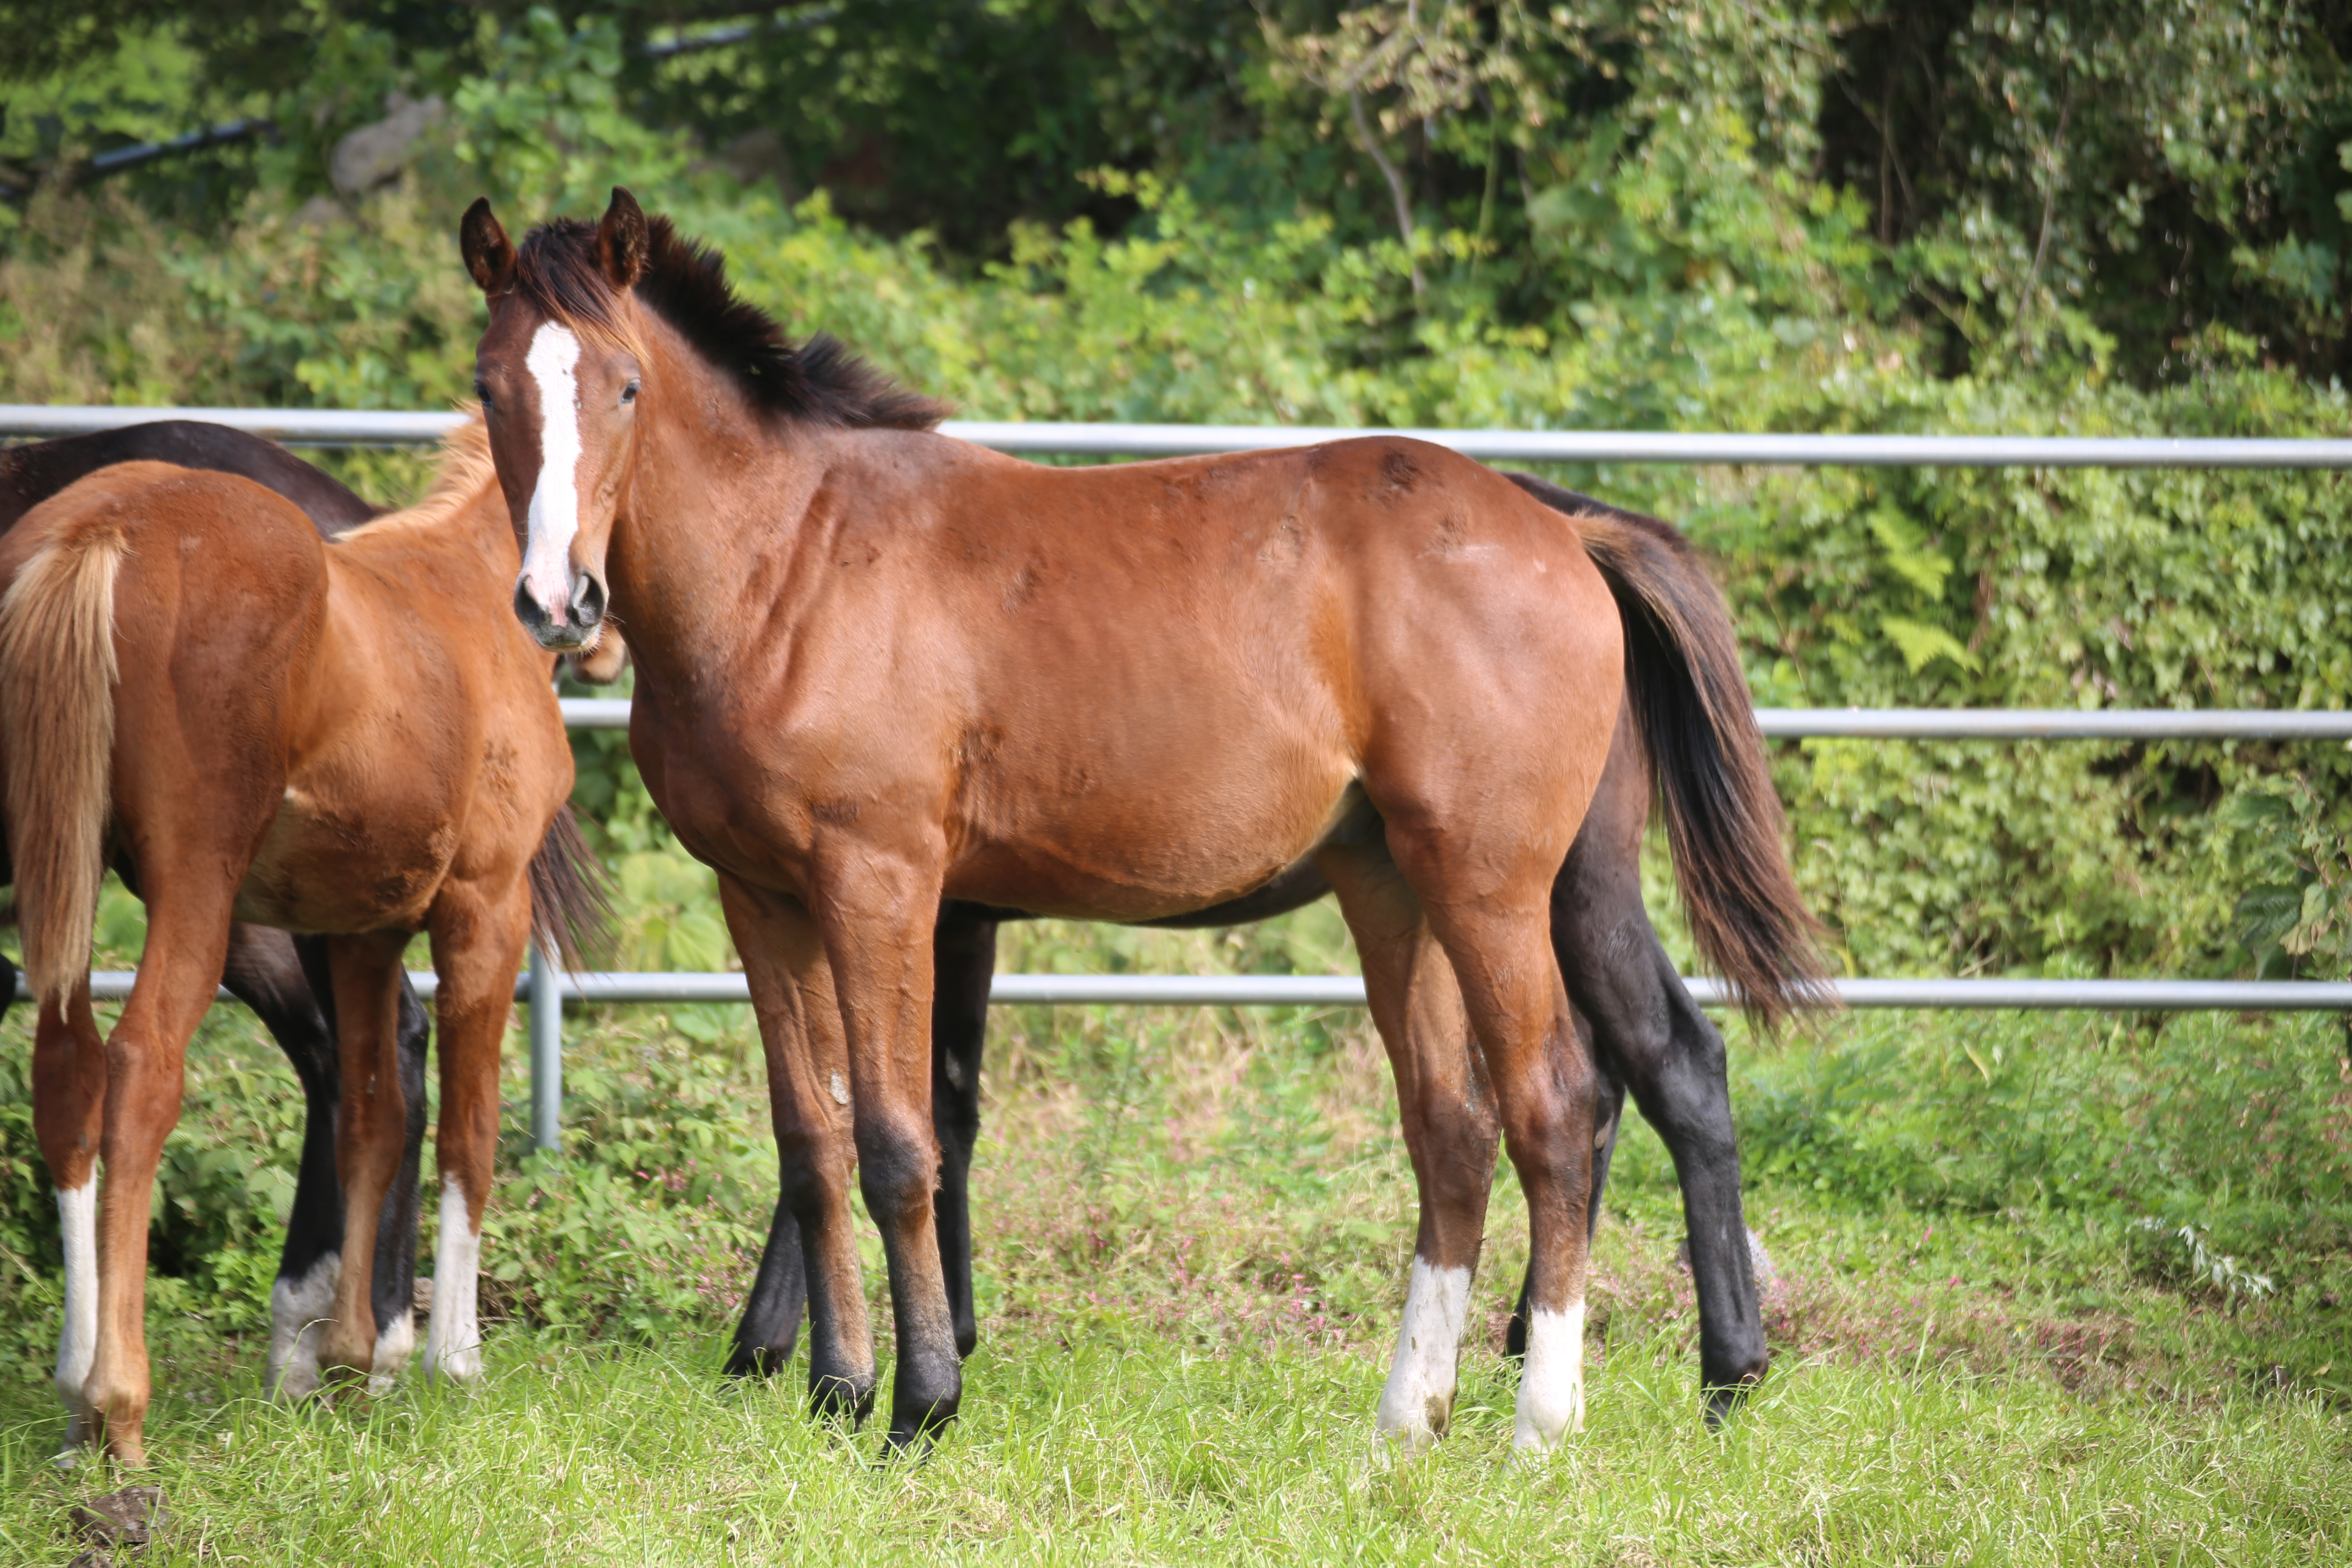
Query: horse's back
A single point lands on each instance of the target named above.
(1137, 661)
(30, 474)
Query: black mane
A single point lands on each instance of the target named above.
(685, 283)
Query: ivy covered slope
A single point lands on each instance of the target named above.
(2094, 219)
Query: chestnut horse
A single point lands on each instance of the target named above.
(877, 666)
(336, 740)
(265, 968)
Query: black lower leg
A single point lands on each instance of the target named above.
(963, 954)
(772, 1314)
(393, 1281)
(266, 971)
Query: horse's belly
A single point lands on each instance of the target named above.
(319, 871)
(1148, 862)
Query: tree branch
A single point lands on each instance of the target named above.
(1371, 146)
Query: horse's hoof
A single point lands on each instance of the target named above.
(1724, 1400)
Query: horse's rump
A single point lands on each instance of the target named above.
(1689, 697)
(110, 583)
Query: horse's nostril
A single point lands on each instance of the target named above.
(528, 609)
(587, 600)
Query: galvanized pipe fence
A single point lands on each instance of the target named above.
(545, 989)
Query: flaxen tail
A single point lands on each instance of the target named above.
(1689, 696)
(56, 736)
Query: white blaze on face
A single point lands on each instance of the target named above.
(554, 517)
(78, 1341)
(299, 1311)
(1419, 1399)
(1551, 1385)
(453, 1343)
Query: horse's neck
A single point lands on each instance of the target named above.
(679, 582)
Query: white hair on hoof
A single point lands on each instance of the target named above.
(395, 1344)
(298, 1312)
(1551, 1382)
(77, 1338)
(453, 1336)
(1418, 1402)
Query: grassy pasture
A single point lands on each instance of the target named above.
(1194, 1229)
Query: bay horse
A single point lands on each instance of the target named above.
(266, 969)
(878, 668)
(336, 740)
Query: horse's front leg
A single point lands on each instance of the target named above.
(369, 1126)
(876, 905)
(808, 1101)
(478, 935)
(964, 958)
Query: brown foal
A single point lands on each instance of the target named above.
(348, 739)
(878, 667)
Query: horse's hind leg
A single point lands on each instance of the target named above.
(187, 933)
(1449, 1123)
(264, 971)
(1608, 1117)
(395, 1232)
(1649, 1034)
(365, 972)
(1545, 1089)
(808, 1098)
(478, 935)
(963, 960)
(304, 1293)
(68, 1119)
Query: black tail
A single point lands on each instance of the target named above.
(570, 910)
(1690, 698)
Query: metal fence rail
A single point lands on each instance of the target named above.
(341, 428)
(1348, 991)
(1909, 723)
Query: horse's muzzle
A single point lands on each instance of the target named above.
(567, 627)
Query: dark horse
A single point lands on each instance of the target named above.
(281, 976)
(878, 668)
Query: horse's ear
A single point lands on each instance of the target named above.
(490, 254)
(621, 240)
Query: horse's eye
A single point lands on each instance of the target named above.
(629, 392)
(483, 394)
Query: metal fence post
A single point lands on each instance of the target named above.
(546, 1052)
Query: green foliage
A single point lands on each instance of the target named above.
(2292, 844)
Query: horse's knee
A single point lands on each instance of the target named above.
(898, 1165)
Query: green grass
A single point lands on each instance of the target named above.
(1194, 1229)
(1119, 1445)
